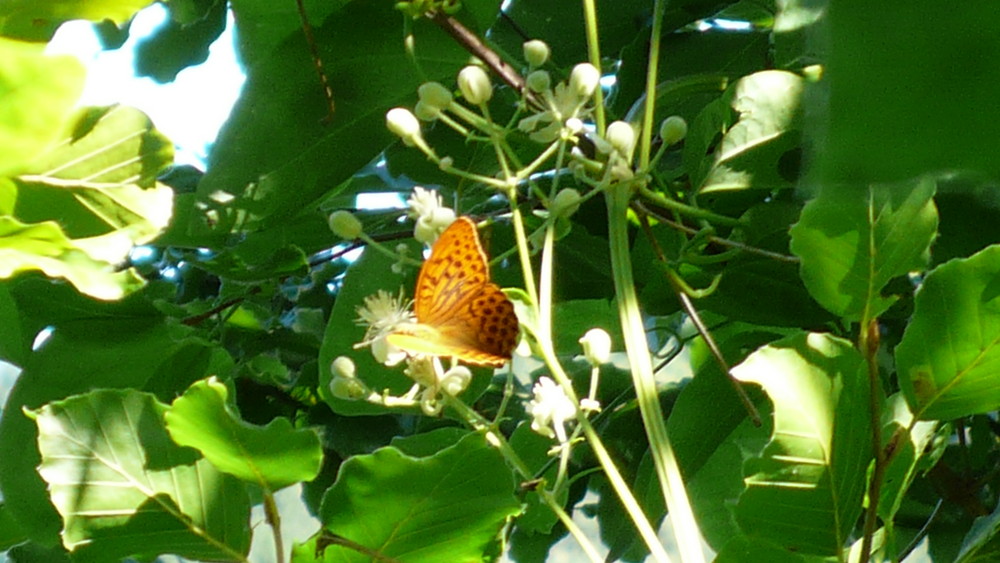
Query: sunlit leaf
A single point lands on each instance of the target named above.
(804, 491)
(125, 489)
(37, 20)
(273, 456)
(852, 241)
(946, 358)
(445, 507)
(37, 94)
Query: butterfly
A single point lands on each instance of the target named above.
(460, 313)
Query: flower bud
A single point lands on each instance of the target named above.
(403, 123)
(622, 137)
(596, 346)
(345, 225)
(536, 52)
(434, 94)
(455, 380)
(539, 81)
(673, 129)
(348, 389)
(425, 111)
(584, 80)
(566, 202)
(475, 85)
(343, 367)
(425, 231)
(442, 217)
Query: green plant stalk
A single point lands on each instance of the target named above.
(476, 420)
(685, 209)
(274, 521)
(652, 68)
(868, 342)
(667, 471)
(607, 464)
(594, 55)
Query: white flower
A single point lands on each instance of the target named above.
(550, 409)
(432, 217)
(596, 346)
(383, 314)
(565, 105)
(455, 380)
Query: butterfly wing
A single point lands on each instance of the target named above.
(460, 312)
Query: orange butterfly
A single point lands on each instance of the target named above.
(460, 312)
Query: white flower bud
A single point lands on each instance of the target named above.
(566, 202)
(343, 367)
(574, 125)
(475, 85)
(345, 225)
(584, 80)
(539, 81)
(425, 231)
(434, 94)
(596, 346)
(673, 129)
(536, 52)
(442, 217)
(622, 137)
(403, 123)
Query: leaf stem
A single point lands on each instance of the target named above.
(274, 521)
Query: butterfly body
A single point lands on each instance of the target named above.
(460, 312)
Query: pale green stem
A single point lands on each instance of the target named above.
(652, 70)
(685, 209)
(594, 54)
(667, 471)
(524, 253)
(372, 243)
(540, 160)
(607, 464)
(475, 420)
(495, 138)
(545, 282)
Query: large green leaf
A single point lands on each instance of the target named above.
(945, 360)
(272, 456)
(38, 19)
(751, 151)
(78, 357)
(852, 241)
(804, 492)
(45, 247)
(448, 506)
(37, 94)
(908, 88)
(125, 489)
(280, 151)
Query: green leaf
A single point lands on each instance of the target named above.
(10, 532)
(446, 507)
(907, 90)
(984, 529)
(751, 151)
(852, 241)
(76, 358)
(281, 151)
(44, 247)
(124, 489)
(742, 549)
(37, 20)
(37, 94)
(804, 492)
(181, 42)
(945, 359)
(273, 456)
(911, 455)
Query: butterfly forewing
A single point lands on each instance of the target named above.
(461, 312)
